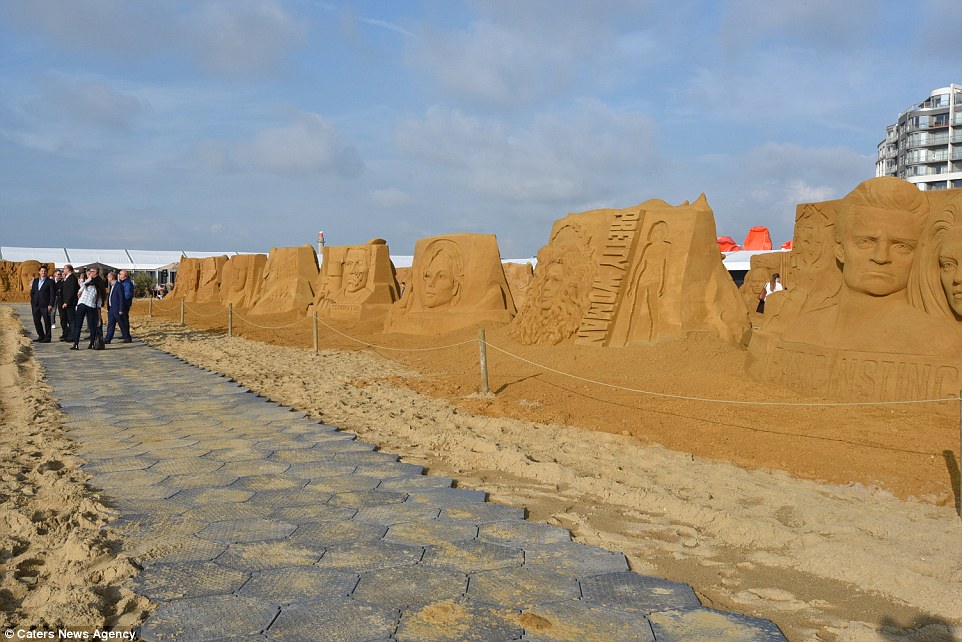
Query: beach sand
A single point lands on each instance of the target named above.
(838, 523)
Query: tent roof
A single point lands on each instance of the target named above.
(55, 255)
(741, 260)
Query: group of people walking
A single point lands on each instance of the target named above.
(78, 299)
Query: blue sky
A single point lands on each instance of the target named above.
(246, 124)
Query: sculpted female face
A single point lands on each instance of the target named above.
(440, 282)
(553, 284)
(950, 268)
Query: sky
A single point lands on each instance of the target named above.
(241, 125)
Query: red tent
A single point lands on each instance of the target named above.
(727, 244)
(787, 245)
(758, 239)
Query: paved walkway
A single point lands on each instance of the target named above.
(253, 522)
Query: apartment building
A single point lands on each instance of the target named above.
(925, 145)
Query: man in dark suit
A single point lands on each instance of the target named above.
(116, 307)
(69, 291)
(43, 297)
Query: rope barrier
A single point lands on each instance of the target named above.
(718, 401)
(266, 327)
(207, 316)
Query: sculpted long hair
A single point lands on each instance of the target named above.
(551, 326)
(925, 287)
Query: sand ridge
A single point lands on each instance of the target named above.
(824, 561)
(60, 563)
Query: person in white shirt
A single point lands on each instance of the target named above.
(93, 293)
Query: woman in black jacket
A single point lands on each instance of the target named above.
(93, 293)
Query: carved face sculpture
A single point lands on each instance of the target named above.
(950, 268)
(553, 285)
(356, 266)
(441, 281)
(876, 251)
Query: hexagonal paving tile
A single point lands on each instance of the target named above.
(186, 466)
(484, 513)
(460, 619)
(364, 556)
(522, 587)
(290, 498)
(255, 467)
(446, 496)
(298, 584)
(207, 480)
(328, 533)
(300, 456)
(708, 624)
(118, 464)
(412, 482)
(576, 621)
(389, 469)
(431, 532)
(340, 620)
(343, 484)
(247, 530)
(259, 556)
(319, 469)
(471, 556)
(209, 618)
(410, 586)
(576, 559)
(194, 496)
(312, 513)
(210, 513)
(367, 498)
(170, 581)
(183, 549)
(396, 513)
(522, 532)
(638, 593)
(267, 482)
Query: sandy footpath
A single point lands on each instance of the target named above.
(824, 561)
(60, 565)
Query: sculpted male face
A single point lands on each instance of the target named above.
(356, 268)
(876, 250)
(950, 268)
(553, 285)
(440, 282)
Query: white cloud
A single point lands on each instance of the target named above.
(90, 101)
(308, 146)
(243, 36)
(559, 157)
(391, 197)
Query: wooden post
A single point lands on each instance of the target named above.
(230, 319)
(150, 307)
(315, 331)
(182, 306)
(484, 362)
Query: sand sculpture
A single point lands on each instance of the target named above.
(15, 278)
(355, 281)
(240, 278)
(519, 277)
(209, 278)
(869, 315)
(632, 276)
(456, 281)
(187, 280)
(287, 283)
(403, 276)
(763, 266)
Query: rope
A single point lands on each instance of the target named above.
(709, 400)
(380, 347)
(188, 309)
(266, 327)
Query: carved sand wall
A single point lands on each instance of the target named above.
(188, 278)
(15, 278)
(287, 283)
(240, 279)
(355, 281)
(209, 279)
(456, 281)
(519, 277)
(869, 314)
(632, 276)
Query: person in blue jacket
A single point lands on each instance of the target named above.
(118, 307)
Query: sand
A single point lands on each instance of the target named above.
(836, 523)
(60, 563)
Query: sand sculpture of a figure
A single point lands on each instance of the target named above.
(935, 284)
(763, 266)
(558, 294)
(209, 278)
(355, 281)
(288, 280)
(187, 280)
(878, 339)
(614, 277)
(240, 278)
(456, 281)
(519, 277)
(7, 272)
(29, 270)
(646, 288)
